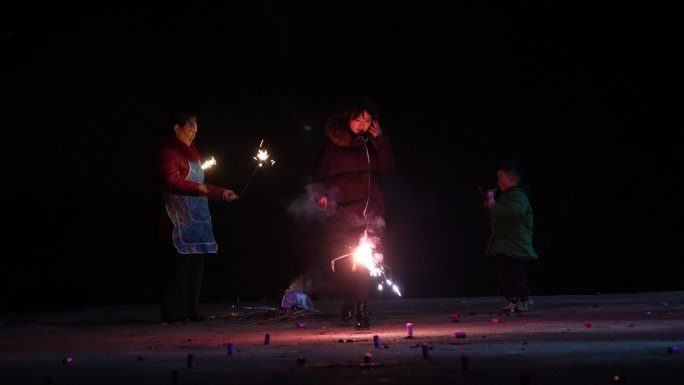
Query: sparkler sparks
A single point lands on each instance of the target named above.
(209, 163)
(262, 157)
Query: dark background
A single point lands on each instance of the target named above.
(574, 92)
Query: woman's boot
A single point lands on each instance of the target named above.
(362, 315)
(347, 309)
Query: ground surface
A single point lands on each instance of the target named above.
(587, 339)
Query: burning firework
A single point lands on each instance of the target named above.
(366, 255)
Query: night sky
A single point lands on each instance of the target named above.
(574, 93)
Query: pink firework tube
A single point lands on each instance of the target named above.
(409, 329)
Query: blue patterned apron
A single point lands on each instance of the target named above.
(192, 230)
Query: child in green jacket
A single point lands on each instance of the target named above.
(510, 242)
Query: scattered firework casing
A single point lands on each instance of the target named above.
(300, 325)
(409, 329)
(231, 349)
(460, 335)
(368, 357)
(455, 317)
(68, 360)
(587, 324)
(191, 361)
(424, 347)
(267, 339)
(674, 349)
(464, 362)
(301, 360)
(376, 341)
(496, 321)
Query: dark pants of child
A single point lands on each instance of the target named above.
(513, 277)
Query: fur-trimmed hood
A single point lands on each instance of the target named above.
(341, 137)
(338, 131)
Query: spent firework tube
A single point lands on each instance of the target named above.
(231, 349)
(376, 341)
(267, 338)
(409, 329)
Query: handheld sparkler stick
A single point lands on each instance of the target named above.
(484, 193)
(248, 181)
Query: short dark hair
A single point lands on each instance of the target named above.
(181, 117)
(511, 167)
(356, 107)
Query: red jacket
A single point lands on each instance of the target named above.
(173, 169)
(172, 161)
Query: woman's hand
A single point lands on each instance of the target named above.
(229, 195)
(374, 129)
(323, 202)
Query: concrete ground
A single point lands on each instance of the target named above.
(576, 339)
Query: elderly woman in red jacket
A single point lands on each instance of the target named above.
(187, 227)
(346, 180)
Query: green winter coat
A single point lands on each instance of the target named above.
(511, 225)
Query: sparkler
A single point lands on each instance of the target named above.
(262, 157)
(209, 163)
(366, 255)
(484, 194)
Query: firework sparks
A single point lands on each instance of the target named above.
(262, 157)
(209, 163)
(365, 255)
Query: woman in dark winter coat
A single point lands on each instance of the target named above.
(347, 184)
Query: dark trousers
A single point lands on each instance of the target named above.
(181, 285)
(350, 284)
(512, 274)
